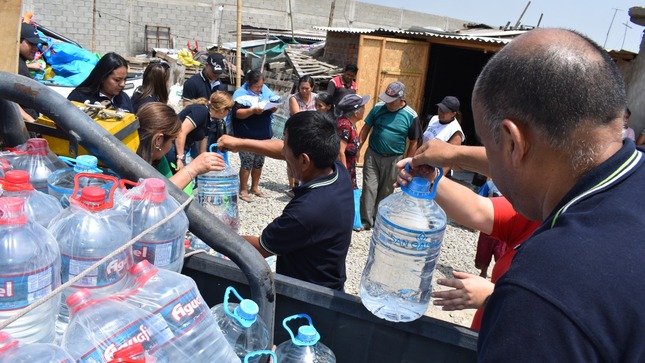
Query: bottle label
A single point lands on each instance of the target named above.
(408, 239)
(20, 290)
(108, 273)
(185, 312)
(152, 332)
(159, 253)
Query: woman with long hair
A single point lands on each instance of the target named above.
(105, 83)
(159, 127)
(154, 87)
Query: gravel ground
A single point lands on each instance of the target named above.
(457, 252)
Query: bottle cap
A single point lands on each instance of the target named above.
(133, 351)
(143, 271)
(6, 342)
(154, 189)
(16, 180)
(4, 164)
(37, 146)
(86, 164)
(248, 311)
(307, 335)
(12, 211)
(78, 300)
(92, 195)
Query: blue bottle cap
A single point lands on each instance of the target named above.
(307, 335)
(247, 311)
(86, 164)
(418, 188)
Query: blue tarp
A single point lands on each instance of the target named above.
(71, 63)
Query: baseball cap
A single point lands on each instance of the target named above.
(449, 104)
(351, 102)
(216, 61)
(394, 91)
(28, 32)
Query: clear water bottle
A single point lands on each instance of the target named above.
(35, 157)
(406, 241)
(149, 204)
(4, 166)
(29, 270)
(244, 330)
(11, 351)
(87, 231)
(100, 327)
(304, 347)
(40, 207)
(217, 193)
(60, 183)
(175, 298)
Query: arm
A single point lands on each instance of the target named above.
(331, 88)
(414, 134)
(202, 164)
(641, 139)
(271, 148)
(365, 131)
(25, 116)
(412, 148)
(180, 142)
(439, 153)
(293, 106)
(203, 145)
(341, 154)
(244, 113)
(455, 139)
(469, 292)
(255, 241)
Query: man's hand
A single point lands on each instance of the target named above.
(436, 153)
(228, 143)
(422, 171)
(470, 292)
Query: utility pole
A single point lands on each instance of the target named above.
(624, 34)
(238, 47)
(331, 13)
(517, 25)
(610, 24)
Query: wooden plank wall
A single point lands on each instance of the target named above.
(10, 30)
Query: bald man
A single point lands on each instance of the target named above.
(548, 109)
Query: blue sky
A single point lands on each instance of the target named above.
(590, 17)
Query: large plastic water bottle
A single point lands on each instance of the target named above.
(87, 231)
(60, 183)
(29, 270)
(218, 192)
(11, 351)
(101, 327)
(304, 347)
(406, 241)
(40, 207)
(164, 246)
(175, 298)
(35, 157)
(244, 330)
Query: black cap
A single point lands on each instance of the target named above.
(351, 102)
(449, 104)
(216, 61)
(28, 32)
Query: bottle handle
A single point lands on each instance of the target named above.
(224, 154)
(293, 317)
(110, 195)
(228, 312)
(259, 353)
(73, 162)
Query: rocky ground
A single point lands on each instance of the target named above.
(457, 252)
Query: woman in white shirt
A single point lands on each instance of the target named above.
(445, 126)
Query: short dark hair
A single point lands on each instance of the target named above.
(351, 67)
(554, 88)
(325, 98)
(306, 79)
(252, 77)
(104, 67)
(314, 134)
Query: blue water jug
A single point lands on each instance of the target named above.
(304, 347)
(397, 280)
(217, 193)
(244, 330)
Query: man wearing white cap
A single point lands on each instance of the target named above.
(391, 122)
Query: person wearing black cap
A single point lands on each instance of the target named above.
(202, 84)
(389, 124)
(29, 41)
(445, 126)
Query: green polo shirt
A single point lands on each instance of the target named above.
(391, 129)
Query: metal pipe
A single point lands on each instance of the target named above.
(12, 128)
(123, 161)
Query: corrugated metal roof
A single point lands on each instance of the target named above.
(430, 34)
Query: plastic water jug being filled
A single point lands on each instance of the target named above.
(397, 280)
(217, 192)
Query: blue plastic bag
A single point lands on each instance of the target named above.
(357, 209)
(71, 64)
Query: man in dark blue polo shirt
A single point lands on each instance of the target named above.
(202, 84)
(312, 236)
(548, 109)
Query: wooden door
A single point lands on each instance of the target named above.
(383, 60)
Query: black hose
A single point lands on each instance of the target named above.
(12, 128)
(123, 161)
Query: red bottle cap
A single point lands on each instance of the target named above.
(16, 180)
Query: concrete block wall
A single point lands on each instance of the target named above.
(342, 49)
(120, 23)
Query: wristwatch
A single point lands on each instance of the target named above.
(181, 157)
